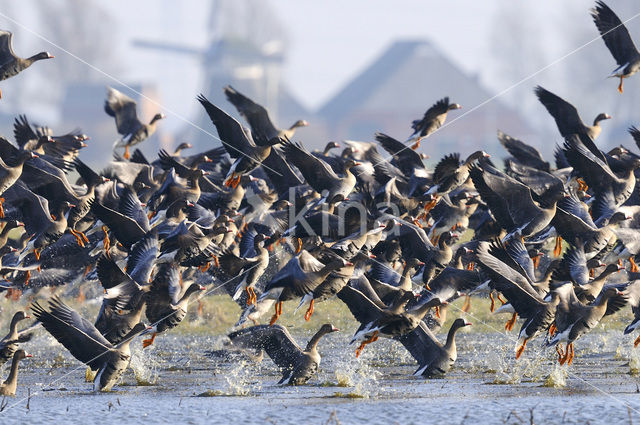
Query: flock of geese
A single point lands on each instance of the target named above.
(269, 221)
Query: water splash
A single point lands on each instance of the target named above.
(357, 374)
(239, 379)
(634, 362)
(557, 378)
(144, 367)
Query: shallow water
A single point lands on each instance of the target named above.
(486, 386)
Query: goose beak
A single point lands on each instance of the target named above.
(27, 317)
(50, 56)
(28, 355)
(20, 224)
(467, 323)
(207, 159)
(203, 288)
(372, 256)
(334, 329)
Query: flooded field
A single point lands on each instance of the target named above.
(189, 376)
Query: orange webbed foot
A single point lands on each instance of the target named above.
(309, 312)
(148, 342)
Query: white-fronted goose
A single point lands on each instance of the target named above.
(86, 343)
(9, 344)
(617, 39)
(298, 365)
(432, 120)
(258, 117)
(574, 319)
(391, 322)
(299, 277)
(10, 64)
(250, 150)
(566, 115)
(433, 357)
(8, 387)
(133, 131)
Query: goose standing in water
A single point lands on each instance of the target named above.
(9, 344)
(8, 387)
(298, 365)
(10, 64)
(433, 357)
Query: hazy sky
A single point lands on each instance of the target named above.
(329, 41)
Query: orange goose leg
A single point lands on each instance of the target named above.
(79, 240)
(570, 359)
(373, 338)
(309, 312)
(637, 341)
(559, 350)
(437, 310)
(521, 348)
(126, 152)
(148, 342)
(536, 262)
(557, 250)
(552, 329)
(106, 242)
(298, 245)
(228, 181)
(471, 266)
(80, 298)
(564, 358)
(493, 302)
(511, 322)
(1, 208)
(634, 266)
(620, 85)
(429, 206)
(501, 300)
(467, 304)
(277, 314)
(581, 184)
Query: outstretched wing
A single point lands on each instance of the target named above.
(614, 33)
(275, 340)
(123, 109)
(255, 114)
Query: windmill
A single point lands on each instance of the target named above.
(245, 49)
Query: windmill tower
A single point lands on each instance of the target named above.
(245, 49)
